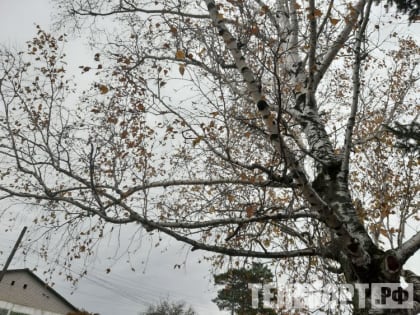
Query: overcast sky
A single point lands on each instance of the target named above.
(122, 291)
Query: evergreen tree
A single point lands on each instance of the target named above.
(236, 295)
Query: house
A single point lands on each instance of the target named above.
(24, 293)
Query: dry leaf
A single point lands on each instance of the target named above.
(250, 210)
(180, 55)
(334, 21)
(173, 30)
(181, 69)
(317, 12)
(103, 88)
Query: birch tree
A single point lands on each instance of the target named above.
(248, 129)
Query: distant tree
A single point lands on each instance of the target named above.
(169, 308)
(235, 295)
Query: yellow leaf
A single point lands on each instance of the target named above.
(180, 55)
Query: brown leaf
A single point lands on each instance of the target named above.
(180, 55)
(317, 12)
(197, 140)
(254, 30)
(112, 119)
(264, 9)
(250, 211)
(140, 107)
(103, 88)
(334, 21)
(181, 69)
(383, 232)
(173, 30)
(298, 87)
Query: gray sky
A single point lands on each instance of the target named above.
(122, 291)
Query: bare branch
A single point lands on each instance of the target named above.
(409, 248)
(339, 42)
(223, 222)
(133, 9)
(236, 252)
(356, 87)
